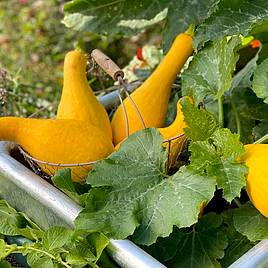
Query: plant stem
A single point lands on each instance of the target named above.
(20, 248)
(237, 119)
(220, 110)
(262, 139)
(191, 30)
(237, 202)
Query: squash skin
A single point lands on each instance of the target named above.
(152, 96)
(64, 141)
(173, 130)
(256, 159)
(78, 100)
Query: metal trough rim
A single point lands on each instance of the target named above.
(124, 252)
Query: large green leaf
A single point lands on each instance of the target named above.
(233, 18)
(201, 246)
(131, 190)
(210, 72)
(104, 16)
(243, 78)
(37, 260)
(218, 157)
(243, 106)
(238, 243)
(260, 81)
(125, 16)
(63, 180)
(260, 130)
(2, 249)
(200, 123)
(182, 13)
(165, 248)
(56, 237)
(5, 264)
(249, 222)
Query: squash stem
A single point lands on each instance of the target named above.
(220, 108)
(237, 119)
(191, 30)
(263, 139)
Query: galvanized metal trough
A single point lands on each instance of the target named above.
(48, 206)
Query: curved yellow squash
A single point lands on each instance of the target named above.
(63, 141)
(173, 130)
(78, 100)
(152, 96)
(256, 158)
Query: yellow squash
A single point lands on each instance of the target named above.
(256, 158)
(64, 141)
(78, 100)
(152, 96)
(173, 130)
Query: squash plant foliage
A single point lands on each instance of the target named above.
(132, 194)
(198, 215)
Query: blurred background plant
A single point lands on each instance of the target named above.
(33, 42)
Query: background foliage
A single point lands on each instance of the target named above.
(33, 43)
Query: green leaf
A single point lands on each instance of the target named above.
(200, 123)
(263, 53)
(210, 72)
(98, 242)
(227, 144)
(249, 222)
(232, 18)
(56, 237)
(106, 262)
(131, 190)
(104, 16)
(260, 130)
(37, 260)
(238, 243)
(30, 233)
(248, 108)
(243, 78)
(238, 246)
(165, 248)
(201, 246)
(218, 158)
(81, 254)
(181, 14)
(10, 219)
(16, 223)
(5, 264)
(63, 180)
(260, 81)
(2, 249)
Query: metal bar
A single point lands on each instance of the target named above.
(47, 206)
(255, 257)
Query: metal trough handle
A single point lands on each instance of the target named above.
(108, 65)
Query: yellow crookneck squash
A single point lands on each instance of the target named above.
(171, 131)
(152, 96)
(78, 100)
(64, 141)
(256, 158)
